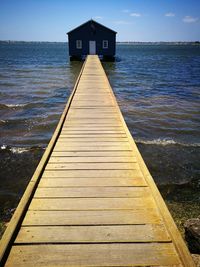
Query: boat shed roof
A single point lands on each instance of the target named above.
(91, 21)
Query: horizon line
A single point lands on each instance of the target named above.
(197, 41)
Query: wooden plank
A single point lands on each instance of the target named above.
(118, 192)
(102, 159)
(93, 234)
(77, 182)
(92, 131)
(93, 82)
(94, 255)
(100, 119)
(103, 99)
(144, 203)
(101, 116)
(96, 84)
(95, 73)
(95, 122)
(95, 109)
(105, 137)
(132, 174)
(109, 141)
(92, 148)
(91, 217)
(98, 89)
(91, 97)
(90, 77)
(95, 93)
(93, 139)
(88, 142)
(96, 103)
(92, 166)
(111, 124)
(90, 104)
(84, 95)
(106, 93)
(93, 115)
(91, 143)
(93, 128)
(93, 85)
(94, 89)
(71, 154)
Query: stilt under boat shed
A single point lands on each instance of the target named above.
(92, 38)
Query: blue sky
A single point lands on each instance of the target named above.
(134, 20)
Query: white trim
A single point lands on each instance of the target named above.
(78, 44)
(105, 44)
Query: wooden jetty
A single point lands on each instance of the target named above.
(92, 200)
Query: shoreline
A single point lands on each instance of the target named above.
(179, 190)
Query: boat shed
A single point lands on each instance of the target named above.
(91, 38)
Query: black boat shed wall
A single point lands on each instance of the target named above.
(91, 38)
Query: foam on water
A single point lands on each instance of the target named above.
(20, 150)
(166, 142)
(15, 105)
(15, 150)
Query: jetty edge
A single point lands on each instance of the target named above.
(92, 200)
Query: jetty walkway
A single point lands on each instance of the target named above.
(92, 200)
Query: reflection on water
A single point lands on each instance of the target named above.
(157, 88)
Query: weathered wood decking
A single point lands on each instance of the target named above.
(95, 203)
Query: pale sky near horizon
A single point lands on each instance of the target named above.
(134, 20)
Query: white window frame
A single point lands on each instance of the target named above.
(78, 44)
(105, 44)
